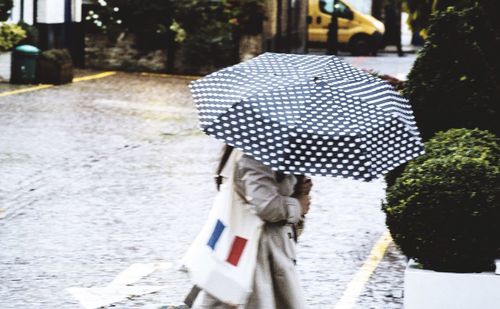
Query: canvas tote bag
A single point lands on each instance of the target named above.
(222, 258)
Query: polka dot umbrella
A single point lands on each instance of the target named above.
(309, 115)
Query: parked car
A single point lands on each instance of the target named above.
(359, 33)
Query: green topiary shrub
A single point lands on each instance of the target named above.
(471, 143)
(444, 209)
(454, 82)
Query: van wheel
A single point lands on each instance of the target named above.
(360, 45)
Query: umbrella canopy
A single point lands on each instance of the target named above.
(310, 115)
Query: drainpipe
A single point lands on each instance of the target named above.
(279, 26)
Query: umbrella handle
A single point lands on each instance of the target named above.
(218, 177)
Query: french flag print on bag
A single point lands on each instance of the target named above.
(222, 258)
(237, 245)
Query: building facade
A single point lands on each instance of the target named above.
(59, 23)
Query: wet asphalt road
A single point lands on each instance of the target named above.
(104, 173)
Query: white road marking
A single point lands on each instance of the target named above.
(137, 271)
(119, 289)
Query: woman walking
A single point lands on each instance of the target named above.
(281, 201)
(300, 114)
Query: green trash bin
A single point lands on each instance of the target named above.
(23, 65)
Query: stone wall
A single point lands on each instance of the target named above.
(121, 54)
(284, 30)
(104, 53)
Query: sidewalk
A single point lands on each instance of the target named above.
(108, 172)
(384, 63)
(389, 64)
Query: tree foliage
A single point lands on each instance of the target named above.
(421, 11)
(155, 21)
(455, 81)
(148, 20)
(207, 31)
(209, 36)
(5, 9)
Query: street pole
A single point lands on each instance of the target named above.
(333, 33)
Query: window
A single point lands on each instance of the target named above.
(342, 10)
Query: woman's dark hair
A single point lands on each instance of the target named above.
(226, 152)
(279, 176)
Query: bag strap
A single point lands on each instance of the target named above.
(191, 297)
(218, 177)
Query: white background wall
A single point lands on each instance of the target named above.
(76, 13)
(28, 11)
(49, 11)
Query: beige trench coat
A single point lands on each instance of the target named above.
(275, 283)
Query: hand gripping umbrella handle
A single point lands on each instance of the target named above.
(218, 177)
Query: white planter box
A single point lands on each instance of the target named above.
(5, 65)
(439, 290)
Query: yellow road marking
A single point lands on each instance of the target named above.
(45, 86)
(94, 76)
(17, 91)
(90, 77)
(357, 284)
(190, 77)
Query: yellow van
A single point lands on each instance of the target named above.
(359, 33)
